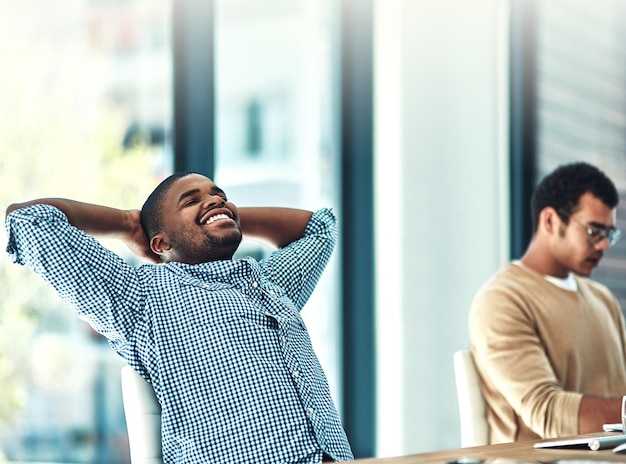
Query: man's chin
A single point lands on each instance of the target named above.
(223, 247)
(584, 271)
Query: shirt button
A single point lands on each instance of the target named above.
(255, 284)
(206, 285)
(311, 411)
(296, 373)
(283, 339)
(272, 292)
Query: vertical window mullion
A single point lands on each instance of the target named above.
(193, 57)
(523, 121)
(358, 339)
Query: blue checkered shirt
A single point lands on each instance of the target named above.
(222, 343)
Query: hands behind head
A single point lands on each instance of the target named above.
(137, 240)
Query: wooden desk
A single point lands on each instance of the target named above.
(519, 451)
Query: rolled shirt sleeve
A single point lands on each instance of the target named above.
(103, 289)
(305, 258)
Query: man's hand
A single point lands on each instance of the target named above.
(137, 240)
(277, 227)
(594, 412)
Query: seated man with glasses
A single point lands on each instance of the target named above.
(548, 342)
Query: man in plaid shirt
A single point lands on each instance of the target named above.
(221, 341)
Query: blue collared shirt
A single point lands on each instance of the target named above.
(222, 343)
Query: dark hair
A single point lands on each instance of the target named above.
(152, 209)
(563, 188)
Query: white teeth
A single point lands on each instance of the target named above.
(217, 217)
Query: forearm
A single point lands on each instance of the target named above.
(101, 221)
(275, 226)
(594, 412)
(86, 275)
(93, 219)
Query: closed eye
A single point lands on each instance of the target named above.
(193, 201)
(193, 196)
(190, 202)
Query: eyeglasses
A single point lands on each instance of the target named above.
(596, 234)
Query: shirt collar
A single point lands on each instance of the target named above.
(566, 283)
(227, 271)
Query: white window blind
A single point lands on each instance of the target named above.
(581, 101)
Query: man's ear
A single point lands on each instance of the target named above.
(549, 219)
(159, 244)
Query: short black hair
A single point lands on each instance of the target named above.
(563, 187)
(152, 209)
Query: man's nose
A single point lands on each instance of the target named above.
(213, 200)
(603, 244)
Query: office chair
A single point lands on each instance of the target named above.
(143, 418)
(472, 405)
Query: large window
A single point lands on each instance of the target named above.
(275, 120)
(85, 109)
(581, 81)
(580, 100)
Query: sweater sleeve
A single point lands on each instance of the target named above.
(513, 363)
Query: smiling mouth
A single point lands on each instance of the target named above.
(216, 217)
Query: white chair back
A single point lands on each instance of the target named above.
(143, 418)
(472, 405)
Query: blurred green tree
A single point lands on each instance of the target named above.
(61, 135)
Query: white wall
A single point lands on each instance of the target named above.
(441, 196)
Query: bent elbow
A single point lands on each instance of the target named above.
(12, 207)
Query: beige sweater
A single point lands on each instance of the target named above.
(538, 348)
